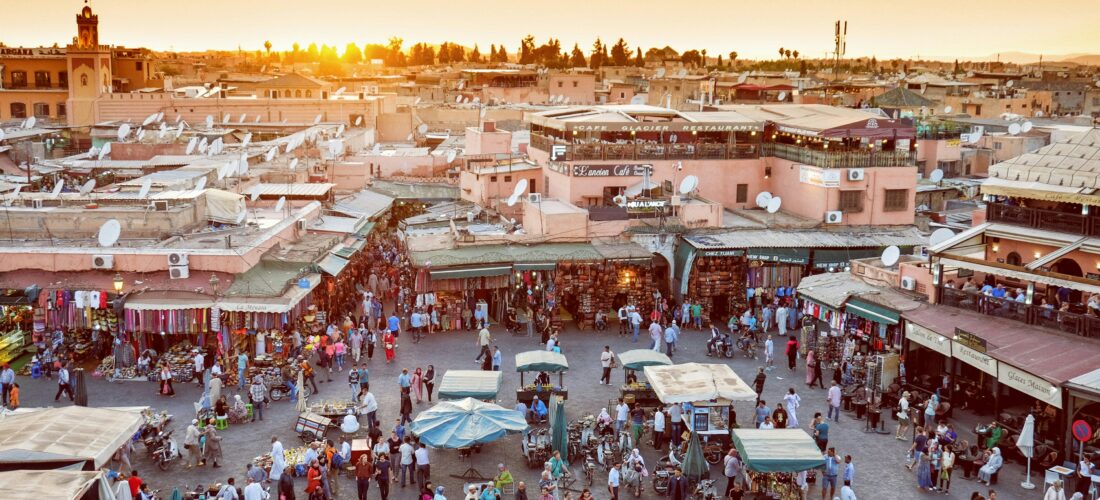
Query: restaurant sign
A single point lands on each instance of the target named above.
(1030, 384)
(927, 338)
(827, 178)
(627, 170)
(974, 358)
(664, 127)
(970, 340)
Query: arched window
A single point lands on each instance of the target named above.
(1014, 259)
(298, 93)
(83, 80)
(286, 94)
(309, 93)
(18, 110)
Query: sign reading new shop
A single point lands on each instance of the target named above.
(625, 170)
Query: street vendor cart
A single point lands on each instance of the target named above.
(333, 408)
(774, 458)
(312, 427)
(710, 391)
(544, 362)
(477, 384)
(634, 391)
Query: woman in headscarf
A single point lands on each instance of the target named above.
(238, 412)
(166, 381)
(212, 452)
(389, 343)
(992, 465)
(811, 361)
(278, 459)
(793, 401)
(417, 379)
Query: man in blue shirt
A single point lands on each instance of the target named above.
(497, 358)
(414, 322)
(242, 364)
(762, 412)
(404, 380)
(670, 340)
(832, 466)
(821, 431)
(849, 470)
(394, 324)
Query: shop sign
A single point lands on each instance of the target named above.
(780, 258)
(646, 203)
(215, 318)
(558, 167)
(1093, 276)
(1030, 384)
(664, 127)
(722, 253)
(628, 170)
(928, 338)
(970, 340)
(974, 358)
(826, 178)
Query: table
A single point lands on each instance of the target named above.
(526, 396)
(1055, 473)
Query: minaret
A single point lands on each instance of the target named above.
(89, 66)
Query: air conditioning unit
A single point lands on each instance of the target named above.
(36, 203)
(908, 283)
(103, 262)
(833, 217)
(855, 174)
(301, 224)
(534, 197)
(179, 272)
(160, 205)
(177, 259)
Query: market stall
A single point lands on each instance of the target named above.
(56, 485)
(16, 322)
(773, 459)
(634, 391)
(75, 437)
(544, 362)
(477, 384)
(587, 287)
(465, 423)
(711, 390)
(171, 312)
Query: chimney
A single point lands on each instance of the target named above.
(489, 126)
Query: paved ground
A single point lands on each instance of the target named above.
(879, 459)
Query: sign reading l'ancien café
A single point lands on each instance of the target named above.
(623, 170)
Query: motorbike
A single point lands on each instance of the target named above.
(280, 391)
(720, 347)
(747, 347)
(632, 479)
(162, 449)
(705, 490)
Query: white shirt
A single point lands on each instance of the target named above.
(228, 492)
(369, 404)
(421, 456)
(635, 318)
(406, 451)
(846, 493)
(904, 404)
(622, 412)
(605, 359)
(550, 344)
(769, 347)
(255, 492)
(658, 421)
(613, 478)
(766, 425)
(198, 362)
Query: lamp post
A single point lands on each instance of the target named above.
(118, 283)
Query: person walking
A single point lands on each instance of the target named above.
(821, 431)
(483, 341)
(389, 343)
(833, 398)
(607, 358)
(498, 358)
(64, 384)
(191, 444)
(769, 354)
(429, 381)
(382, 475)
(353, 382)
(792, 352)
(257, 394)
(678, 484)
(7, 380)
(212, 449)
(242, 366)
(423, 465)
(613, 477)
(811, 362)
(364, 471)
(732, 470)
(635, 324)
(793, 401)
(903, 417)
(658, 429)
(406, 408)
(166, 381)
(307, 373)
(655, 336)
(415, 383)
(407, 466)
(758, 382)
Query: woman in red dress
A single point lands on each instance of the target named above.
(389, 343)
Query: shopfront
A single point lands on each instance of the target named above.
(257, 325)
(874, 327)
(160, 319)
(1083, 403)
(606, 285)
(713, 277)
(16, 321)
(480, 289)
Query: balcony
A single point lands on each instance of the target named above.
(1074, 323)
(839, 159)
(1050, 220)
(648, 151)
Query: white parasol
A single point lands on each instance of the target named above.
(1026, 444)
(301, 392)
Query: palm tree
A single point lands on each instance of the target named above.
(788, 53)
(781, 52)
(267, 46)
(795, 54)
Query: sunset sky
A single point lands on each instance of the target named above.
(884, 28)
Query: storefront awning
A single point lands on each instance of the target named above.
(541, 361)
(332, 264)
(173, 300)
(1019, 275)
(777, 450)
(536, 266)
(470, 272)
(928, 338)
(781, 255)
(870, 311)
(281, 304)
(824, 259)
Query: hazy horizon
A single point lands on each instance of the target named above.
(983, 29)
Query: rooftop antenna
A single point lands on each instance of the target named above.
(270, 155)
(293, 163)
(30, 122)
(163, 130)
(682, 73)
(890, 256)
(422, 128)
(160, 117)
(247, 139)
(339, 91)
(109, 233)
(782, 96)
(947, 110)
(773, 204)
(10, 200)
(744, 76)
(688, 185)
(257, 120)
(280, 204)
(178, 119)
(141, 134)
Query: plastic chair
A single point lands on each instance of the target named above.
(248, 407)
(508, 489)
(221, 423)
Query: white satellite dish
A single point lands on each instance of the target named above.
(201, 184)
(123, 131)
(417, 101)
(293, 163)
(241, 216)
(774, 204)
(257, 120)
(163, 130)
(146, 185)
(744, 76)
(521, 187)
(451, 156)
(222, 170)
(191, 145)
(409, 137)
(891, 255)
(782, 95)
(1009, 84)
(512, 199)
(422, 128)
(936, 175)
(637, 100)
(141, 135)
(1026, 127)
(566, 99)
(477, 100)
(109, 233)
(1013, 128)
(682, 73)
(376, 149)
(939, 236)
(209, 121)
(31, 121)
(317, 119)
(149, 119)
(977, 134)
(226, 118)
(458, 98)
(254, 194)
(104, 151)
(247, 139)
(57, 189)
(203, 146)
(242, 166)
(244, 116)
(947, 109)
(358, 121)
(340, 90)
(281, 203)
(160, 117)
(179, 131)
(340, 130)
(270, 155)
(763, 198)
(689, 184)
(178, 118)
(1, 134)
(660, 73)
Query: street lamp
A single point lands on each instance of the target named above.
(118, 283)
(214, 281)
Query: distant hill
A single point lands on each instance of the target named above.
(1014, 57)
(1085, 59)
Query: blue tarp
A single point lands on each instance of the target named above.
(465, 423)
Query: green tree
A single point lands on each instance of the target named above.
(295, 54)
(596, 60)
(421, 54)
(795, 54)
(475, 55)
(703, 57)
(577, 59)
(527, 50)
(352, 54)
(548, 54)
(394, 56)
(267, 47)
(620, 53)
(788, 53)
(733, 57)
(720, 65)
(639, 61)
(444, 53)
(502, 55)
(457, 53)
(374, 51)
(691, 57)
(313, 54)
(781, 52)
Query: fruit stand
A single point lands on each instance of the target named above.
(544, 362)
(640, 392)
(710, 389)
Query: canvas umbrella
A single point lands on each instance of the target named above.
(80, 388)
(301, 406)
(1026, 444)
(465, 423)
(559, 430)
(695, 466)
(176, 495)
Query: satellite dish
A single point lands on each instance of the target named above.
(744, 76)
(223, 170)
(191, 145)
(317, 119)
(281, 203)
(57, 189)
(242, 166)
(270, 155)
(689, 184)
(977, 134)
(226, 118)
(376, 149)
(891, 255)
(247, 139)
(417, 101)
(257, 120)
(254, 196)
(619, 200)
(358, 121)
(123, 131)
(31, 121)
(422, 128)
(179, 131)
(458, 98)
(637, 100)
(512, 199)
(293, 163)
(660, 73)
(763, 198)
(141, 135)
(947, 109)
(244, 116)
(1009, 84)
(241, 216)
(1014, 128)
(106, 150)
(782, 95)
(178, 118)
(203, 146)
(160, 117)
(109, 232)
(1026, 127)
(939, 236)
(340, 90)
(149, 119)
(340, 130)
(163, 130)
(201, 184)
(477, 100)
(682, 73)
(936, 175)
(451, 156)
(409, 137)
(145, 187)
(209, 121)
(521, 187)
(774, 204)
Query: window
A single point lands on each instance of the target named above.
(996, 145)
(742, 193)
(139, 66)
(561, 84)
(297, 93)
(851, 201)
(575, 83)
(507, 178)
(18, 79)
(896, 200)
(61, 110)
(1014, 259)
(492, 178)
(83, 80)
(42, 79)
(18, 110)
(41, 110)
(63, 79)
(622, 95)
(309, 93)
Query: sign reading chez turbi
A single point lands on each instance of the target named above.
(627, 170)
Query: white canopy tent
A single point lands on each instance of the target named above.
(71, 436)
(55, 485)
(698, 382)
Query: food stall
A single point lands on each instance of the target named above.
(634, 391)
(710, 389)
(774, 458)
(477, 384)
(541, 361)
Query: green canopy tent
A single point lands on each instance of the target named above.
(541, 361)
(477, 384)
(777, 450)
(559, 430)
(636, 359)
(695, 466)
